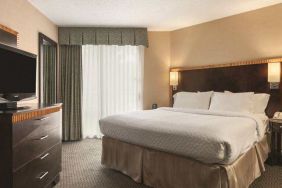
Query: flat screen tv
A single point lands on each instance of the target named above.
(17, 74)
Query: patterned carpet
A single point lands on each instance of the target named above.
(82, 169)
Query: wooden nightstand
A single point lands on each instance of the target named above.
(275, 126)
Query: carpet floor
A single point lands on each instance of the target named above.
(82, 169)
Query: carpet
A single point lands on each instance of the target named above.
(81, 168)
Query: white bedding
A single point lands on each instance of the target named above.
(204, 135)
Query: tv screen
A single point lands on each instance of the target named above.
(17, 73)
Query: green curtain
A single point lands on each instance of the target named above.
(49, 74)
(71, 83)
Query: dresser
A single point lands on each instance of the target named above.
(30, 147)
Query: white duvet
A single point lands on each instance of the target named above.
(207, 136)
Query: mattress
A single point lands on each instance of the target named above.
(207, 136)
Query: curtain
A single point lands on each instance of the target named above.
(112, 83)
(71, 85)
(49, 74)
(103, 36)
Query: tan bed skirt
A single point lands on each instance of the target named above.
(164, 170)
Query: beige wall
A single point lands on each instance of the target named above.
(156, 69)
(251, 35)
(21, 16)
(247, 36)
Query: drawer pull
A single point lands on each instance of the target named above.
(44, 156)
(43, 175)
(44, 137)
(42, 119)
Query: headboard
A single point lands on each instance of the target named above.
(235, 77)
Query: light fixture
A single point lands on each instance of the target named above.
(173, 80)
(274, 74)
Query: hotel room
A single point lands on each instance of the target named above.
(140, 94)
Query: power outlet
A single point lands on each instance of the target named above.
(154, 106)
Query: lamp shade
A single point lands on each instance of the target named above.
(274, 72)
(173, 76)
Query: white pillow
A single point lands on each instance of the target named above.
(240, 102)
(192, 100)
(205, 92)
(260, 101)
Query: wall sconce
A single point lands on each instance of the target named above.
(173, 80)
(274, 74)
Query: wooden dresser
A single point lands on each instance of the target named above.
(30, 147)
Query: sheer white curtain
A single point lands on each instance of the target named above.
(112, 83)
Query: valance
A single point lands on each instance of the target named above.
(103, 36)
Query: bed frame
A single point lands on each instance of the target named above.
(165, 170)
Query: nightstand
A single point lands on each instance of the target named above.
(275, 126)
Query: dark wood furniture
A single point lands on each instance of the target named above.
(235, 77)
(30, 147)
(275, 126)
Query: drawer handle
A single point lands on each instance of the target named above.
(42, 119)
(43, 175)
(43, 137)
(44, 156)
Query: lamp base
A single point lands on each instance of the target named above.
(274, 85)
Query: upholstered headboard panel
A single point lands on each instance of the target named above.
(235, 78)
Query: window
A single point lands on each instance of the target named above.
(112, 83)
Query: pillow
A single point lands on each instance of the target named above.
(239, 92)
(240, 102)
(205, 92)
(192, 100)
(260, 101)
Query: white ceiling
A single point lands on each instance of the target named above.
(160, 15)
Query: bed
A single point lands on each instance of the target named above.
(209, 137)
(182, 147)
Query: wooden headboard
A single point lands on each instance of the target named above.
(235, 77)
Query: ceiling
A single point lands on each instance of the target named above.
(156, 15)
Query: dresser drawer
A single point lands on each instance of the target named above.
(34, 145)
(38, 125)
(41, 171)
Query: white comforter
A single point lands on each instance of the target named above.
(207, 136)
